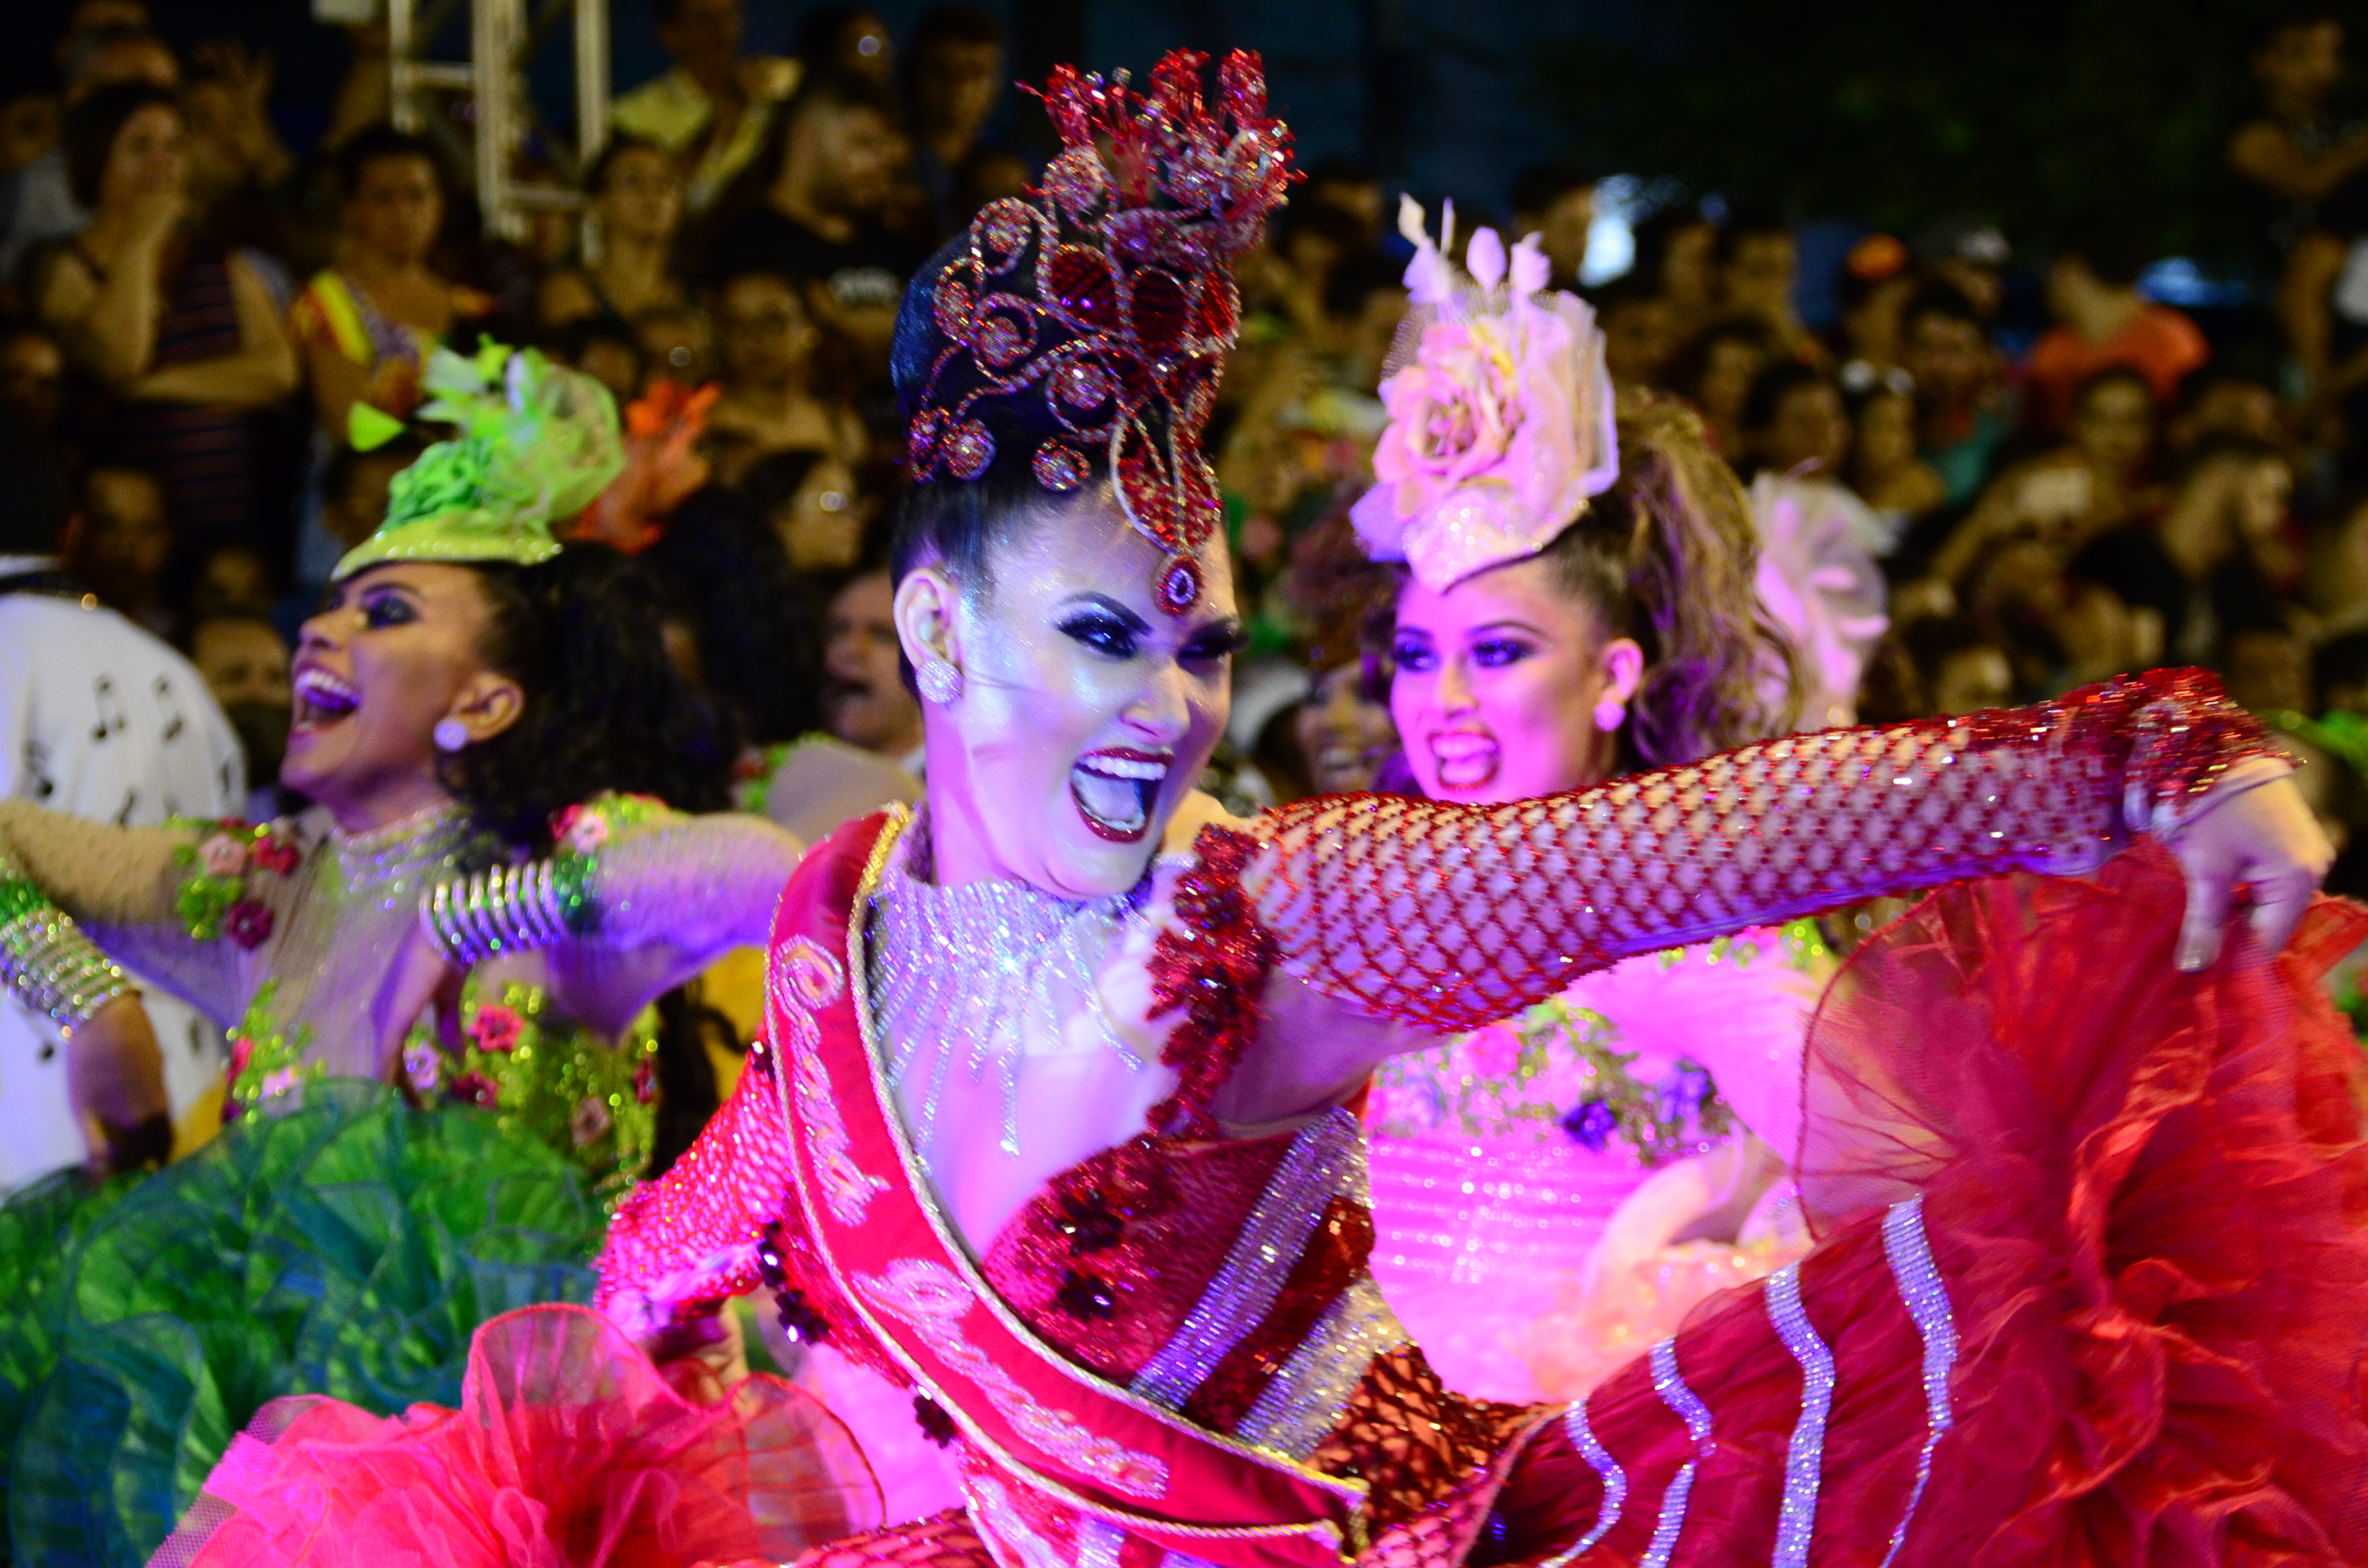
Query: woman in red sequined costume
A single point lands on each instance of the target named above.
(1051, 1126)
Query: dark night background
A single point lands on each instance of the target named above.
(1878, 114)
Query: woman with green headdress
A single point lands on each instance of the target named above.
(471, 697)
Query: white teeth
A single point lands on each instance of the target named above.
(1460, 748)
(323, 690)
(1124, 768)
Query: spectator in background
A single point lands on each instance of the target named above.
(100, 719)
(1759, 266)
(239, 168)
(1676, 259)
(31, 126)
(813, 504)
(33, 376)
(635, 189)
(1349, 188)
(1793, 422)
(1958, 669)
(815, 218)
(186, 333)
(2339, 674)
(607, 350)
(2297, 155)
(2220, 400)
(353, 497)
(2266, 668)
(864, 699)
(1968, 254)
(2219, 557)
(988, 175)
(952, 80)
(1557, 202)
(368, 324)
(2067, 497)
(1884, 468)
(2102, 321)
(677, 343)
(95, 54)
(1715, 373)
(714, 110)
(850, 40)
(119, 542)
(243, 662)
(1964, 410)
(1876, 284)
(767, 345)
(1343, 727)
(1640, 331)
(233, 580)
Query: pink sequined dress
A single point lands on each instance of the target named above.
(1554, 1192)
(2090, 1283)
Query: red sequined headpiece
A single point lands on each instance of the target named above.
(1100, 307)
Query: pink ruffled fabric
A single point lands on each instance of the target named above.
(569, 1451)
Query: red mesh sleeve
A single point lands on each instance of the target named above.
(1453, 916)
(703, 1219)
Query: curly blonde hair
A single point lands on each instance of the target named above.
(1669, 556)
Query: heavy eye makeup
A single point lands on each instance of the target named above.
(1115, 631)
(382, 607)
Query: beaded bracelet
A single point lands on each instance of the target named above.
(47, 962)
(508, 909)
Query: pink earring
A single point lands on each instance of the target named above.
(1610, 714)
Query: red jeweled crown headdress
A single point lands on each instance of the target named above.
(1099, 309)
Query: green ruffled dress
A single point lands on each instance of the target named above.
(340, 1236)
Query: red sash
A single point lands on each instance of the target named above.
(894, 1256)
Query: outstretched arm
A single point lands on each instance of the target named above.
(637, 899)
(1452, 915)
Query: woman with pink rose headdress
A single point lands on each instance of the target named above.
(1578, 602)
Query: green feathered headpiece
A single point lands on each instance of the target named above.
(536, 442)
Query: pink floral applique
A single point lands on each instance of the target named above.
(580, 829)
(496, 1027)
(422, 1064)
(242, 1051)
(646, 1083)
(248, 923)
(473, 1088)
(277, 1082)
(276, 853)
(223, 856)
(590, 1120)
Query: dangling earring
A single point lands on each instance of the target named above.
(1610, 714)
(450, 734)
(940, 681)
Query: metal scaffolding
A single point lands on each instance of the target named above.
(503, 36)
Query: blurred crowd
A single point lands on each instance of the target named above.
(2056, 474)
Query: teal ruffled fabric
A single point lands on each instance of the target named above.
(348, 1245)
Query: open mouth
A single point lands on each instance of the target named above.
(322, 700)
(1465, 761)
(1114, 790)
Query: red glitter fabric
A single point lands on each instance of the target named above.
(1212, 964)
(1335, 1255)
(1451, 916)
(1151, 1220)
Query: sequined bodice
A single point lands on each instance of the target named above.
(991, 1003)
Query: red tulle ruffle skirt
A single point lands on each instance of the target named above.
(569, 1451)
(2144, 1193)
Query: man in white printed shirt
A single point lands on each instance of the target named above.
(101, 720)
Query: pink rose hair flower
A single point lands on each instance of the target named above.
(1500, 420)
